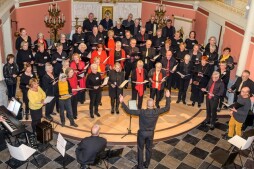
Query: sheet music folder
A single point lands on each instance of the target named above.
(133, 105)
(235, 105)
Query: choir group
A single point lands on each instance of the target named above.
(151, 57)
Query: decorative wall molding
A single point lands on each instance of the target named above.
(120, 10)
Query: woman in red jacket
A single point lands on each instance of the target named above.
(79, 69)
(110, 41)
(73, 80)
(99, 52)
(116, 54)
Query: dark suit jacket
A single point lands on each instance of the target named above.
(164, 62)
(132, 29)
(151, 54)
(88, 148)
(248, 83)
(148, 117)
(218, 88)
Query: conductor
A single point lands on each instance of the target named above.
(147, 122)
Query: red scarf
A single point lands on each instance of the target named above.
(44, 43)
(140, 78)
(159, 80)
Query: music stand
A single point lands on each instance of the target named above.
(61, 144)
(132, 106)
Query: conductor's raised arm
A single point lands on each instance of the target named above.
(167, 106)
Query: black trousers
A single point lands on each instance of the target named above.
(74, 105)
(135, 95)
(145, 139)
(211, 109)
(49, 108)
(36, 116)
(158, 93)
(2, 138)
(95, 99)
(222, 98)
(128, 68)
(169, 82)
(183, 87)
(11, 90)
(81, 97)
(26, 101)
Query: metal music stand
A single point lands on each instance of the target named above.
(132, 106)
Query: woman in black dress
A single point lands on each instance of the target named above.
(57, 59)
(24, 56)
(116, 78)
(201, 76)
(191, 41)
(23, 37)
(10, 72)
(24, 85)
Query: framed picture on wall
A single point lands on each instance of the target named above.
(107, 10)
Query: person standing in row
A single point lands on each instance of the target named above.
(215, 90)
(116, 78)
(10, 72)
(93, 82)
(65, 94)
(36, 98)
(147, 122)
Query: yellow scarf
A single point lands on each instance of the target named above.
(224, 57)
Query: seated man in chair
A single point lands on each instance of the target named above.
(89, 147)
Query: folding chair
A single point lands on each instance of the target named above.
(21, 153)
(242, 144)
(225, 158)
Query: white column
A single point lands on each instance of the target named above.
(246, 41)
(7, 38)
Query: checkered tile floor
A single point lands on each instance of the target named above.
(188, 151)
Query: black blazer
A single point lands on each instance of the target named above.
(248, 83)
(88, 148)
(218, 88)
(164, 62)
(134, 78)
(132, 29)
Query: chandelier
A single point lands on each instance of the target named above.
(160, 17)
(54, 21)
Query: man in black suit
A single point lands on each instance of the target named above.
(241, 82)
(89, 23)
(158, 40)
(148, 53)
(147, 122)
(151, 27)
(141, 37)
(168, 64)
(215, 90)
(135, 28)
(169, 30)
(126, 40)
(90, 147)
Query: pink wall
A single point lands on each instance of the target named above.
(200, 27)
(32, 18)
(1, 45)
(250, 61)
(148, 10)
(233, 40)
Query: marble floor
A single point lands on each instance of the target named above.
(187, 151)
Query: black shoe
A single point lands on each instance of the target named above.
(225, 137)
(97, 114)
(212, 127)
(53, 113)
(117, 112)
(178, 101)
(63, 124)
(218, 110)
(75, 117)
(205, 122)
(74, 125)
(199, 105)
(100, 104)
(184, 102)
(145, 165)
(193, 104)
(112, 112)
(92, 116)
(49, 118)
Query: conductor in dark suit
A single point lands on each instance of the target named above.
(90, 147)
(215, 89)
(147, 122)
(241, 82)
